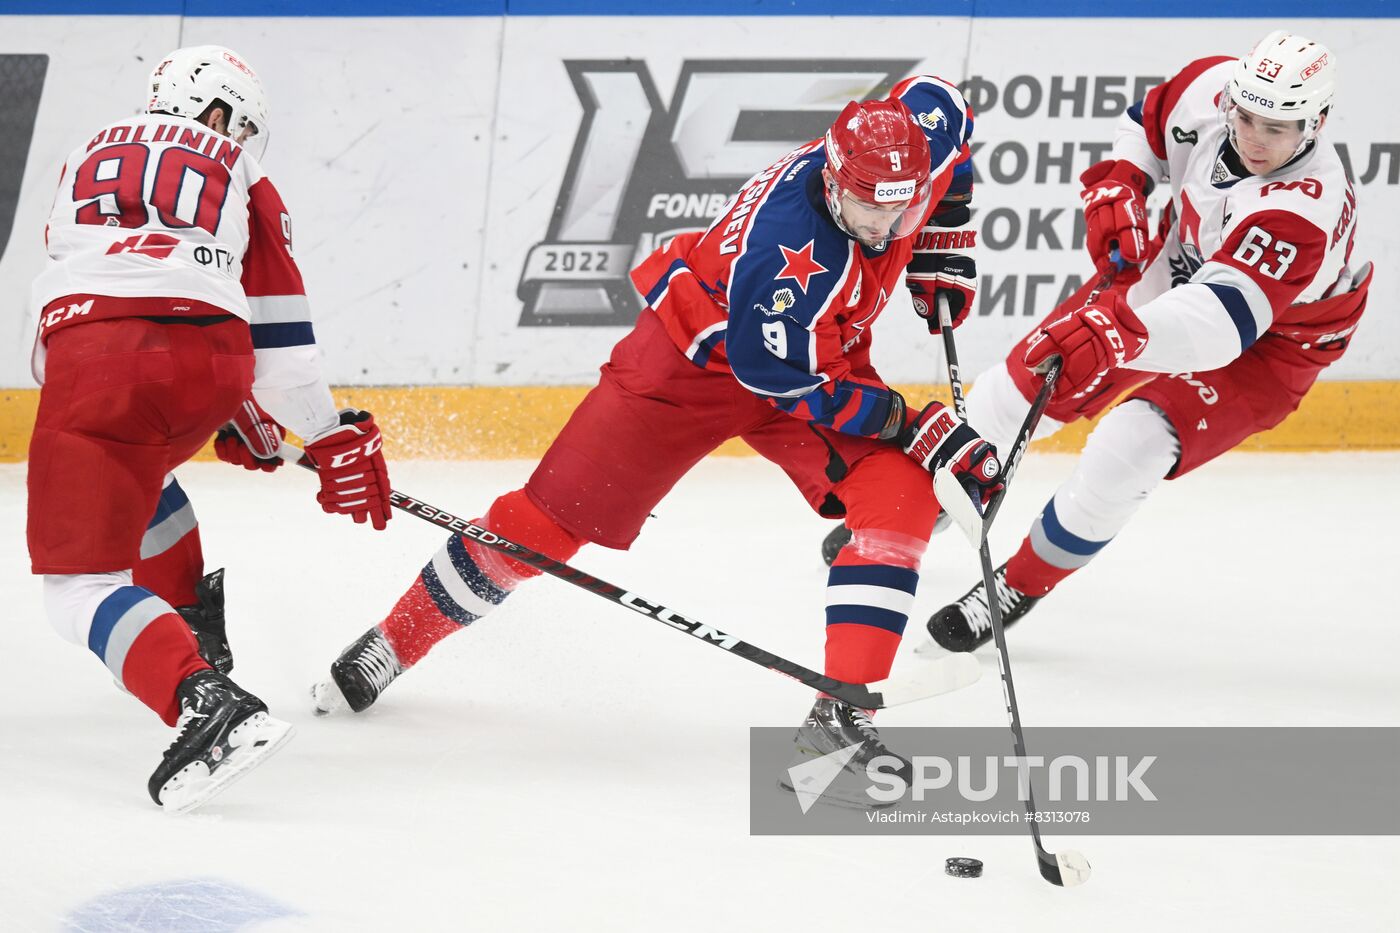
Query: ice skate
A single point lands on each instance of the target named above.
(358, 676)
(224, 732)
(833, 727)
(967, 624)
(834, 541)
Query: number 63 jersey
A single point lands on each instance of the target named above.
(159, 207)
(1238, 256)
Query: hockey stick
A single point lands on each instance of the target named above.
(839, 536)
(1069, 867)
(943, 675)
(1023, 437)
(1038, 405)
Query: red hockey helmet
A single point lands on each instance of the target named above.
(877, 180)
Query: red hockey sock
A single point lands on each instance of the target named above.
(164, 654)
(415, 624)
(1029, 573)
(517, 517)
(173, 572)
(867, 608)
(465, 580)
(859, 654)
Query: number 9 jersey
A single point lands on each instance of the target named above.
(160, 207)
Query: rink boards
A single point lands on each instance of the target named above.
(469, 189)
(508, 422)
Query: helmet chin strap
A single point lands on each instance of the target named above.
(833, 204)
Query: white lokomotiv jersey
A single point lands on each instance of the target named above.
(1239, 256)
(158, 216)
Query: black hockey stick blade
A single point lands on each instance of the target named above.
(929, 678)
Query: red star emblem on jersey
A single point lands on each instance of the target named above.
(799, 265)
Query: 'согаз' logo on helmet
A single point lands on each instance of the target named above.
(888, 191)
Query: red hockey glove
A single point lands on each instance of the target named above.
(1115, 211)
(1091, 341)
(950, 449)
(354, 478)
(943, 265)
(251, 439)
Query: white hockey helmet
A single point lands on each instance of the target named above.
(1284, 77)
(191, 79)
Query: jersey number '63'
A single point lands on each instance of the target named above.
(1252, 247)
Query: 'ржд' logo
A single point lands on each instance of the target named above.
(641, 172)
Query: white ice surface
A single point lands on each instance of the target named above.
(567, 765)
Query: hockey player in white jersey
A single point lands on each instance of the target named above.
(1217, 325)
(169, 294)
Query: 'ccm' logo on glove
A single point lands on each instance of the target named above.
(1109, 330)
(368, 449)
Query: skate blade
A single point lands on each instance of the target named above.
(930, 650)
(254, 740)
(845, 788)
(326, 698)
(836, 795)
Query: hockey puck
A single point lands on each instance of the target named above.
(963, 867)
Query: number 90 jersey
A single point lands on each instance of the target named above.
(159, 207)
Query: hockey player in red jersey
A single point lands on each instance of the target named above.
(169, 294)
(759, 328)
(1217, 326)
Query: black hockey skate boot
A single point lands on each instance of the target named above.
(206, 620)
(359, 675)
(832, 544)
(967, 624)
(833, 727)
(225, 732)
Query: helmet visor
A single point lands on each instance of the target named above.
(250, 136)
(1263, 133)
(875, 224)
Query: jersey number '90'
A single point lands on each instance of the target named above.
(186, 190)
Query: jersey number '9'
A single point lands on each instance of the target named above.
(113, 182)
(775, 339)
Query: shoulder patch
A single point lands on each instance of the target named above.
(935, 120)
